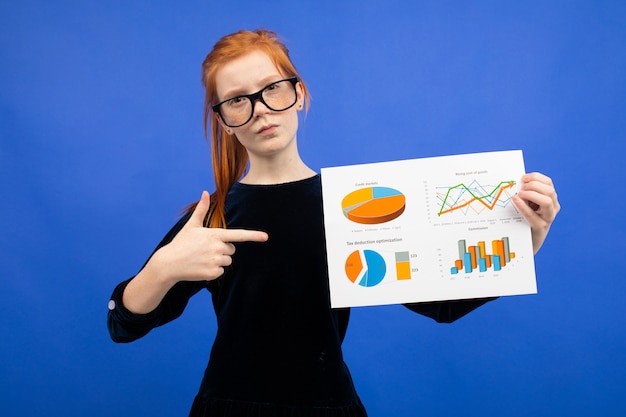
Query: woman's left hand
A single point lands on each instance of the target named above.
(538, 202)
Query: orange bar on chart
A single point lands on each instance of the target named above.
(495, 249)
(403, 270)
(472, 251)
(498, 249)
(459, 264)
(483, 251)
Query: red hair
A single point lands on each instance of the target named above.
(229, 157)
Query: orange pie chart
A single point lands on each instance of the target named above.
(373, 205)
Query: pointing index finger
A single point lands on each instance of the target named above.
(242, 235)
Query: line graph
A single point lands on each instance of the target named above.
(473, 198)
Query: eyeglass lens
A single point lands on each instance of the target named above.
(277, 96)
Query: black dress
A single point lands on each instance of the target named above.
(277, 351)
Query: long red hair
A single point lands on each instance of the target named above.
(229, 157)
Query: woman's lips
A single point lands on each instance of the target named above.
(265, 130)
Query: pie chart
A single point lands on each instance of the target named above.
(366, 268)
(373, 205)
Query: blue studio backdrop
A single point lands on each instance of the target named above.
(102, 146)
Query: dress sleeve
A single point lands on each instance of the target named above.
(447, 311)
(125, 326)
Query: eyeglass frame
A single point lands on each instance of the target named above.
(258, 96)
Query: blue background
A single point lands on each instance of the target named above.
(102, 146)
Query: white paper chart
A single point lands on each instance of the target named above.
(428, 229)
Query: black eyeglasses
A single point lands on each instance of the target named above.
(277, 96)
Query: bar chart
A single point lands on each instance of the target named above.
(475, 258)
(403, 265)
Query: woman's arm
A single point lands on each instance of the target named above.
(196, 253)
(184, 262)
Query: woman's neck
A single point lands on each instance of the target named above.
(264, 171)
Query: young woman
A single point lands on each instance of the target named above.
(257, 244)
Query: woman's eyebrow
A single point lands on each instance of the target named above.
(264, 82)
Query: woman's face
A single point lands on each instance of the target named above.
(268, 133)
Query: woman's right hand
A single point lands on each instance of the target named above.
(196, 253)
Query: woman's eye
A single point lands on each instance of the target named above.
(235, 101)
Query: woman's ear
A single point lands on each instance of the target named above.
(300, 96)
(224, 127)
